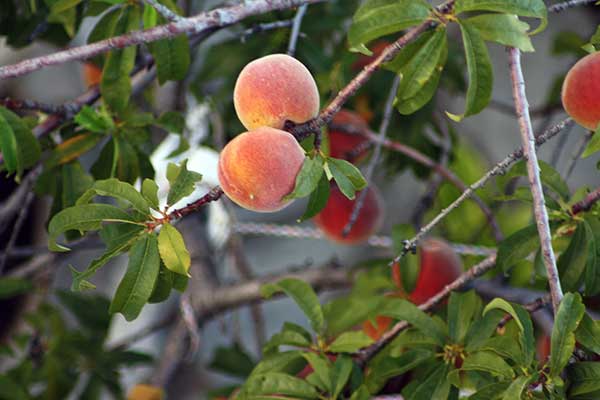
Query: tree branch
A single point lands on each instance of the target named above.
(164, 11)
(587, 203)
(498, 169)
(568, 4)
(296, 29)
(476, 271)
(533, 171)
(217, 18)
(385, 122)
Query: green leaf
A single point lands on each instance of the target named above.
(113, 235)
(505, 306)
(480, 71)
(593, 146)
(72, 148)
(571, 263)
(317, 200)
(232, 361)
(340, 373)
(523, 8)
(94, 120)
(584, 377)
(517, 247)
(26, 150)
(322, 368)
(162, 287)
(280, 362)
(434, 387)
(11, 390)
(504, 346)
(8, 143)
(119, 190)
(489, 392)
(380, 371)
(80, 281)
(272, 383)
(569, 314)
(347, 176)
(350, 342)
(137, 284)
(516, 388)
(303, 295)
(489, 362)
(290, 335)
(91, 311)
(588, 334)
(504, 29)
(171, 121)
(11, 287)
(482, 329)
(462, 307)
(150, 192)
(172, 58)
(376, 18)
(182, 182)
(404, 310)
(173, 251)
(88, 217)
(308, 178)
(116, 85)
(551, 179)
(592, 266)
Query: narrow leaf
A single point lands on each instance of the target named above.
(308, 178)
(568, 316)
(119, 190)
(173, 251)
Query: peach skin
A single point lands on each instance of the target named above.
(273, 89)
(341, 144)
(258, 168)
(581, 91)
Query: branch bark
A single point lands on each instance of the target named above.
(217, 18)
(533, 171)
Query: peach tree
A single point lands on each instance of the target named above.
(487, 289)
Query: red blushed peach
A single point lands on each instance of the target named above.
(439, 266)
(543, 345)
(92, 74)
(273, 89)
(336, 214)
(342, 144)
(258, 168)
(145, 392)
(581, 91)
(382, 323)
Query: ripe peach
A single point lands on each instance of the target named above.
(341, 144)
(334, 217)
(92, 74)
(273, 89)
(581, 91)
(543, 344)
(439, 266)
(258, 168)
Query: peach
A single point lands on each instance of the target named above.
(336, 214)
(543, 345)
(258, 168)
(439, 266)
(581, 91)
(92, 74)
(341, 144)
(273, 89)
(145, 392)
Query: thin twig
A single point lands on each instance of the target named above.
(385, 122)
(164, 11)
(267, 26)
(579, 149)
(476, 271)
(533, 171)
(426, 161)
(16, 229)
(296, 29)
(587, 203)
(498, 169)
(216, 18)
(26, 104)
(568, 4)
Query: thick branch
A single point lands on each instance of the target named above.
(498, 169)
(533, 171)
(217, 18)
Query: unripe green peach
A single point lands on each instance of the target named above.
(273, 89)
(258, 168)
(581, 91)
(336, 214)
